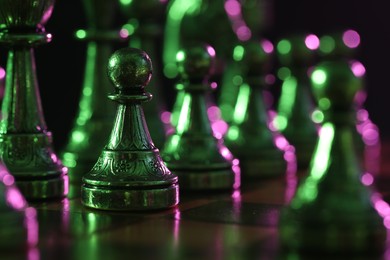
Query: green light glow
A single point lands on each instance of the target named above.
(318, 77)
(242, 103)
(280, 122)
(78, 136)
(238, 53)
(324, 103)
(125, 2)
(176, 11)
(283, 73)
(308, 190)
(327, 44)
(81, 34)
(284, 46)
(129, 28)
(185, 111)
(237, 80)
(317, 116)
(233, 133)
(180, 56)
(287, 100)
(69, 160)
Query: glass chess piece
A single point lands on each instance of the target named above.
(130, 174)
(93, 121)
(193, 152)
(332, 211)
(296, 55)
(145, 25)
(26, 143)
(249, 136)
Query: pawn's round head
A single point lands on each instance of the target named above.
(335, 85)
(129, 69)
(196, 61)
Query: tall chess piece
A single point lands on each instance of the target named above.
(332, 210)
(94, 119)
(18, 223)
(146, 21)
(249, 137)
(296, 103)
(26, 143)
(201, 161)
(130, 174)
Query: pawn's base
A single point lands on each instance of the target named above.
(43, 188)
(130, 199)
(208, 179)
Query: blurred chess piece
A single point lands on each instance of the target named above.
(345, 45)
(94, 117)
(19, 226)
(26, 143)
(296, 104)
(249, 137)
(193, 152)
(332, 211)
(130, 174)
(145, 26)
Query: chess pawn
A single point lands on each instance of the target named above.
(94, 117)
(332, 211)
(249, 137)
(26, 144)
(296, 104)
(130, 174)
(146, 20)
(192, 152)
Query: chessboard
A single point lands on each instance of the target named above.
(242, 224)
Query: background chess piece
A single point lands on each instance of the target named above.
(201, 161)
(145, 24)
(26, 143)
(249, 137)
(130, 174)
(93, 121)
(332, 211)
(296, 105)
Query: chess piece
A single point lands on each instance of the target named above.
(94, 117)
(296, 104)
(146, 20)
(19, 226)
(200, 160)
(130, 174)
(249, 137)
(332, 211)
(26, 143)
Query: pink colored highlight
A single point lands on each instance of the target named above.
(211, 51)
(351, 39)
(367, 179)
(267, 46)
(358, 69)
(243, 33)
(2, 73)
(312, 42)
(9, 180)
(233, 8)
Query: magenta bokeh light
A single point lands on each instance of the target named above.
(351, 38)
(312, 42)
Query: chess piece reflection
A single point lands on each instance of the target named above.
(332, 211)
(249, 137)
(130, 174)
(296, 104)
(26, 143)
(19, 226)
(146, 20)
(201, 161)
(94, 119)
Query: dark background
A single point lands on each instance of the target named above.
(60, 64)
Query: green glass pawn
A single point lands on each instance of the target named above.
(296, 104)
(200, 160)
(130, 174)
(249, 137)
(332, 211)
(26, 145)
